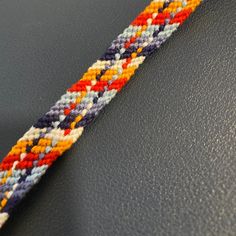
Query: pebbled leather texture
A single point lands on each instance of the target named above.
(161, 158)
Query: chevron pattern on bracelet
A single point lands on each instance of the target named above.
(63, 124)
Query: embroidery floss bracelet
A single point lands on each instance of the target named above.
(63, 124)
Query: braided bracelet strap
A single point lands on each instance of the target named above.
(63, 124)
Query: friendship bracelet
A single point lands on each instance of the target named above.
(63, 124)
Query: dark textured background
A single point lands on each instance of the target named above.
(161, 158)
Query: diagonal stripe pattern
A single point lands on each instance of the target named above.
(63, 124)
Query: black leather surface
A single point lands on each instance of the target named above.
(161, 158)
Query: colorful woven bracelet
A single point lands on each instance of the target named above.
(63, 124)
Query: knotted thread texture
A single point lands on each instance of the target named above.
(63, 124)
